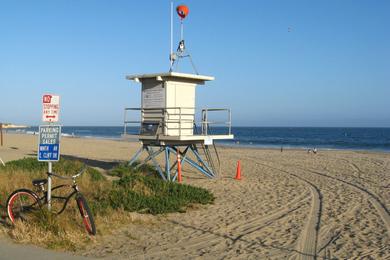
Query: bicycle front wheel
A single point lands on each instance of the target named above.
(23, 205)
(86, 214)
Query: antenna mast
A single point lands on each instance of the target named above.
(171, 51)
(181, 51)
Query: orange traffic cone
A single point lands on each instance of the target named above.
(179, 177)
(238, 172)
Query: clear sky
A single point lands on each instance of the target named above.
(331, 68)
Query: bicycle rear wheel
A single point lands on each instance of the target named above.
(86, 214)
(23, 205)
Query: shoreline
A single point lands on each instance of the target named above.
(220, 144)
(301, 148)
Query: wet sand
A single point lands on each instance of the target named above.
(290, 204)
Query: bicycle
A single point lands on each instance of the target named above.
(24, 204)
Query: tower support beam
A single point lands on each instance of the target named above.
(170, 170)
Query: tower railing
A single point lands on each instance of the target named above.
(207, 123)
(178, 121)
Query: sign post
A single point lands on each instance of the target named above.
(1, 140)
(49, 151)
(1, 133)
(49, 137)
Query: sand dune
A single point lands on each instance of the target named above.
(289, 204)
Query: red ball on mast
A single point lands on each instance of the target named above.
(182, 11)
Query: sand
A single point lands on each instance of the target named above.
(290, 204)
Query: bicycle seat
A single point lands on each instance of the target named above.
(39, 182)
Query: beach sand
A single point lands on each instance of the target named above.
(290, 204)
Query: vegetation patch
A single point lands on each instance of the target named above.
(146, 193)
(155, 196)
(136, 190)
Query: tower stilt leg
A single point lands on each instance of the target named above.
(171, 173)
(135, 157)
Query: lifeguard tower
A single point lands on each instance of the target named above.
(167, 120)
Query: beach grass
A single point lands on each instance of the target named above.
(113, 203)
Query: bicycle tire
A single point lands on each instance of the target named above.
(86, 214)
(22, 212)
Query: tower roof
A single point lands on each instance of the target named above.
(171, 76)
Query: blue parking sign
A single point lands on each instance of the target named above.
(49, 143)
(49, 152)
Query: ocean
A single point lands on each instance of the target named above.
(376, 139)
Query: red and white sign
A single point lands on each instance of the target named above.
(51, 108)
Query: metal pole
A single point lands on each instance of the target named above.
(167, 167)
(124, 123)
(1, 133)
(171, 52)
(135, 157)
(152, 155)
(206, 124)
(181, 30)
(49, 186)
(230, 122)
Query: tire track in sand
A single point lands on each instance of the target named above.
(309, 237)
(380, 207)
(307, 243)
(358, 171)
(332, 232)
(242, 228)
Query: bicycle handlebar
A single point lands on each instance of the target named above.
(69, 177)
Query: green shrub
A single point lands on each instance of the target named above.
(121, 170)
(26, 164)
(30, 164)
(99, 204)
(124, 169)
(95, 175)
(146, 194)
(135, 192)
(62, 167)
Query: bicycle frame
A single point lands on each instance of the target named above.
(66, 199)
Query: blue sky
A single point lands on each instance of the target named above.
(331, 69)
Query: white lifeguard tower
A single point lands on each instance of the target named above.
(167, 121)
